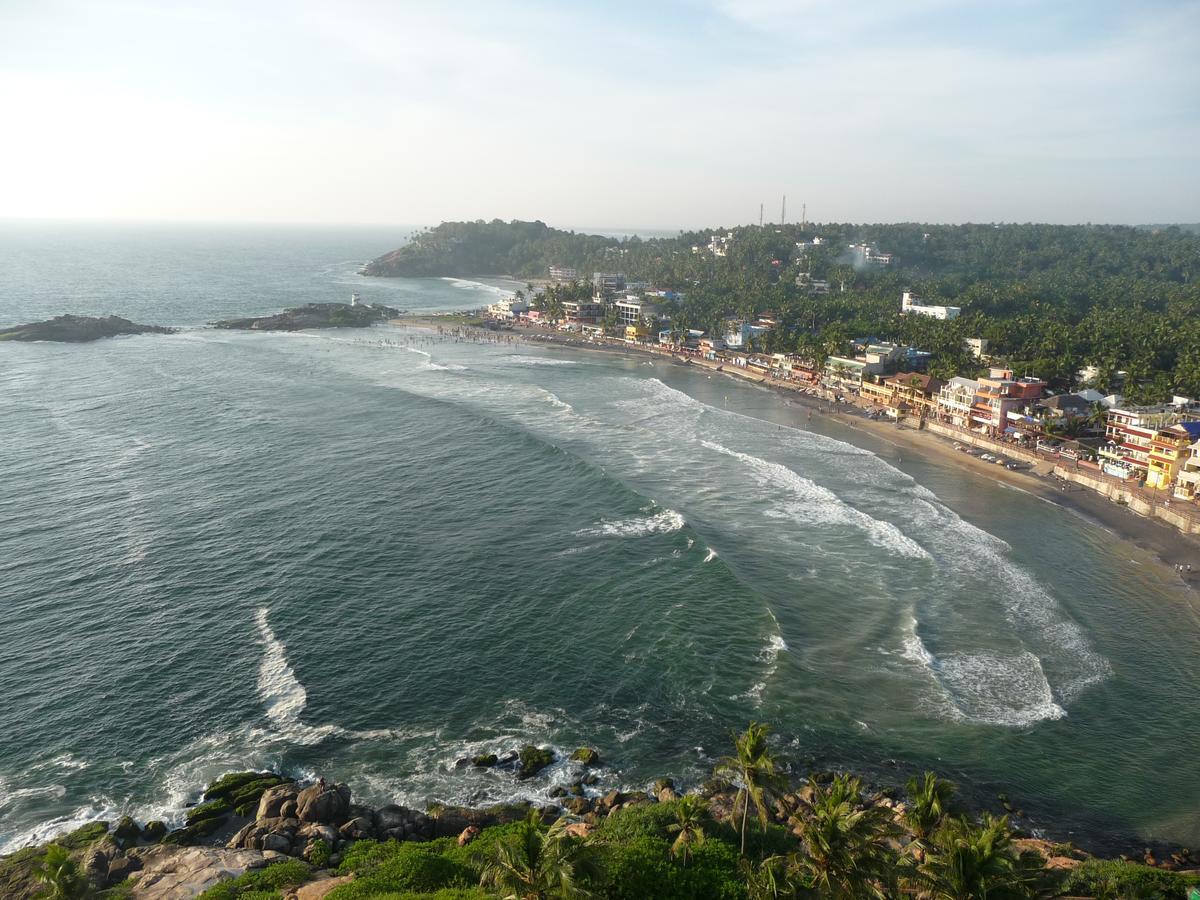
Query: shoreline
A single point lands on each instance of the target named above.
(1168, 546)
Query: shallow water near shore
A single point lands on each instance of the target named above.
(371, 553)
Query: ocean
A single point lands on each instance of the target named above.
(370, 554)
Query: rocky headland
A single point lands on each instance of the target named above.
(314, 315)
(267, 835)
(78, 329)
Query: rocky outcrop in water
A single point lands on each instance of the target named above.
(78, 329)
(315, 315)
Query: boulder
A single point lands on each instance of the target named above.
(578, 805)
(97, 859)
(154, 831)
(662, 783)
(484, 760)
(581, 830)
(321, 802)
(214, 809)
(357, 829)
(127, 831)
(468, 834)
(610, 801)
(169, 873)
(586, 756)
(392, 816)
(558, 791)
(533, 760)
(277, 842)
(666, 794)
(270, 805)
(590, 779)
(319, 889)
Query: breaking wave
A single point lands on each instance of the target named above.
(819, 504)
(664, 522)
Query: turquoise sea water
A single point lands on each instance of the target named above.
(371, 553)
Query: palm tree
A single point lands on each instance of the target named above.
(533, 864)
(929, 799)
(753, 768)
(846, 842)
(968, 862)
(60, 873)
(768, 880)
(689, 825)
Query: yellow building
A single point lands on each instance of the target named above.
(635, 332)
(1169, 450)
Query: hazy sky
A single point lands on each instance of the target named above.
(652, 114)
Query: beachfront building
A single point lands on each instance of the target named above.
(911, 303)
(844, 373)
(805, 281)
(1187, 482)
(563, 274)
(1000, 396)
(508, 309)
(956, 399)
(1131, 432)
(1169, 450)
(914, 390)
(633, 310)
(582, 312)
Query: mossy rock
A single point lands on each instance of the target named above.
(586, 756)
(84, 836)
(249, 794)
(484, 760)
(234, 784)
(154, 831)
(190, 834)
(205, 811)
(127, 831)
(533, 760)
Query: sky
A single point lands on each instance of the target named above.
(677, 114)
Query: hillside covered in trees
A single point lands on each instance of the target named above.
(1050, 299)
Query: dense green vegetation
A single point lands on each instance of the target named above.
(1050, 299)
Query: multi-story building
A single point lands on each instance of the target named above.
(1169, 450)
(739, 334)
(1131, 432)
(956, 400)
(977, 346)
(911, 303)
(633, 310)
(919, 391)
(608, 282)
(563, 274)
(509, 308)
(1187, 482)
(579, 312)
(999, 395)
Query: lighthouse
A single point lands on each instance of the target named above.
(354, 299)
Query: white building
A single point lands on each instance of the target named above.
(633, 310)
(740, 335)
(508, 309)
(910, 303)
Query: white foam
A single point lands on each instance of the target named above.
(554, 400)
(710, 555)
(278, 687)
(819, 504)
(665, 522)
(523, 360)
(467, 284)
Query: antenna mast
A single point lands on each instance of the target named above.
(783, 211)
(760, 214)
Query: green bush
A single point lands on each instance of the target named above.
(638, 868)
(712, 873)
(319, 853)
(649, 820)
(483, 848)
(398, 867)
(1105, 877)
(261, 884)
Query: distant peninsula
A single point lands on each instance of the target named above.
(519, 249)
(315, 315)
(78, 329)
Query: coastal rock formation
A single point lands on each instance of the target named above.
(172, 873)
(78, 329)
(314, 315)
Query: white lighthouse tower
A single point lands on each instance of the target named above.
(354, 300)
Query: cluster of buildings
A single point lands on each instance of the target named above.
(1158, 446)
(869, 255)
